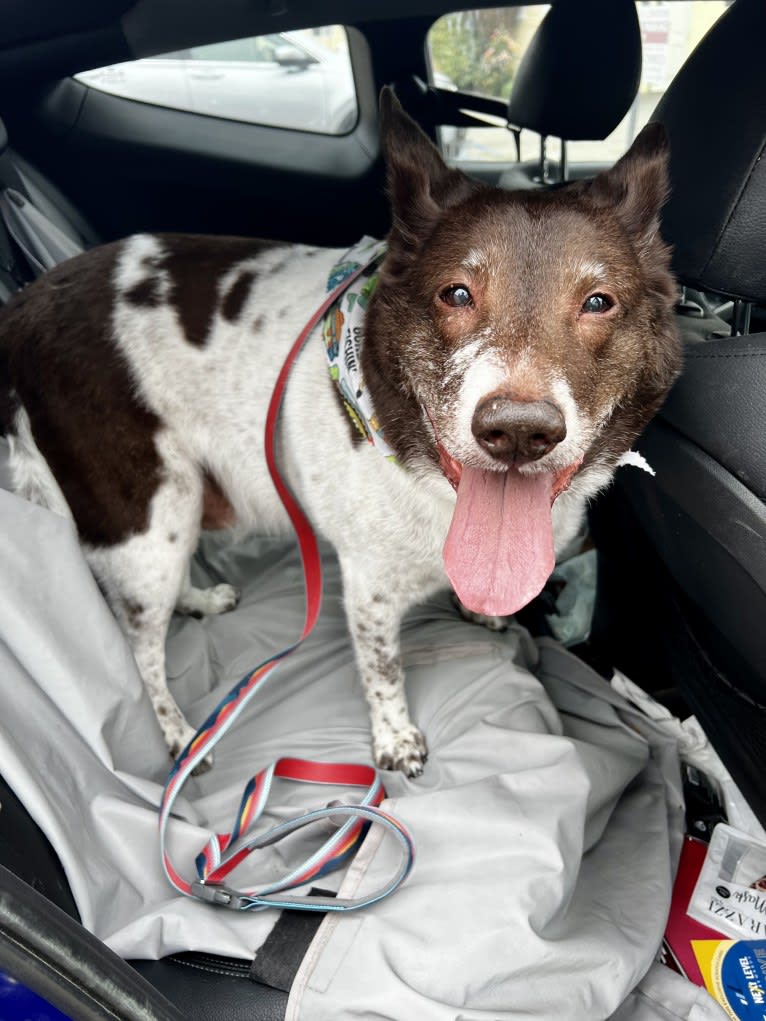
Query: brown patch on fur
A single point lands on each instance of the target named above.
(151, 262)
(96, 436)
(217, 512)
(147, 293)
(236, 296)
(8, 400)
(133, 612)
(195, 264)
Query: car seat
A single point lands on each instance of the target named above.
(576, 81)
(681, 598)
(39, 227)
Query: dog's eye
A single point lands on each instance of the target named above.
(596, 303)
(457, 296)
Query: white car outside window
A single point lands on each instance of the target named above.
(298, 80)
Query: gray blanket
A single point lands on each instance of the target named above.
(547, 821)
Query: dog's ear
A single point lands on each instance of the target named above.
(637, 185)
(420, 185)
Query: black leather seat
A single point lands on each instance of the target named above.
(682, 585)
(576, 81)
(24, 185)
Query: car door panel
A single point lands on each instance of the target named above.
(130, 165)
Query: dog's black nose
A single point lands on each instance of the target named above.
(517, 431)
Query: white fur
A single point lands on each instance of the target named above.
(31, 476)
(389, 561)
(475, 260)
(483, 373)
(591, 269)
(387, 524)
(484, 369)
(637, 460)
(145, 575)
(579, 430)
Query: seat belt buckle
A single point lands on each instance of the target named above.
(217, 893)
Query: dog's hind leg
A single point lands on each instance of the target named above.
(205, 602)
(374, 616)
(141, 578)
(217, 513)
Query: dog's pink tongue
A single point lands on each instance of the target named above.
(499, 549)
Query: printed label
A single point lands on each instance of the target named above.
(730, 894)
(735, 975)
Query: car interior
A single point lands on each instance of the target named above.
(681, 557)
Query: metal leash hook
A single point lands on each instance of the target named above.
(217, 893)
(331, 855)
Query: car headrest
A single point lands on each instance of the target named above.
(715, 113)
(3, 138)
(580, 72)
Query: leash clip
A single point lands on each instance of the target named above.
(218, 893)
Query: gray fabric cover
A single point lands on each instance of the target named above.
(547, 822)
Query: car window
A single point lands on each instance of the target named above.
(255, 48)
(299, 80)
(479, 50)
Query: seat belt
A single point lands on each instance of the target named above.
(12, 275)
(41, 242)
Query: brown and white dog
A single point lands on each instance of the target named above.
(515, 346)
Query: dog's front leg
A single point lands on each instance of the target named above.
(374, 614)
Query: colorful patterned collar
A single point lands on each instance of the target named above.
(343, 334)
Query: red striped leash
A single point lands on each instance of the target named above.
(224, 851)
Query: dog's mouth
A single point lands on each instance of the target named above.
(499, 551)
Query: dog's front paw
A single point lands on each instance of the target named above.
(405, 750)
(208, 602)
(202, 767)
(177, 738)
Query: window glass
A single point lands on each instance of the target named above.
(300, 80)
(19, 1002)
(479, 51)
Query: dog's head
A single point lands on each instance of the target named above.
(519, 338)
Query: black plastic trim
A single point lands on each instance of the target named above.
(708, 529)
(709, 493)
(61, 961)
(211, 994)
(27, 852)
